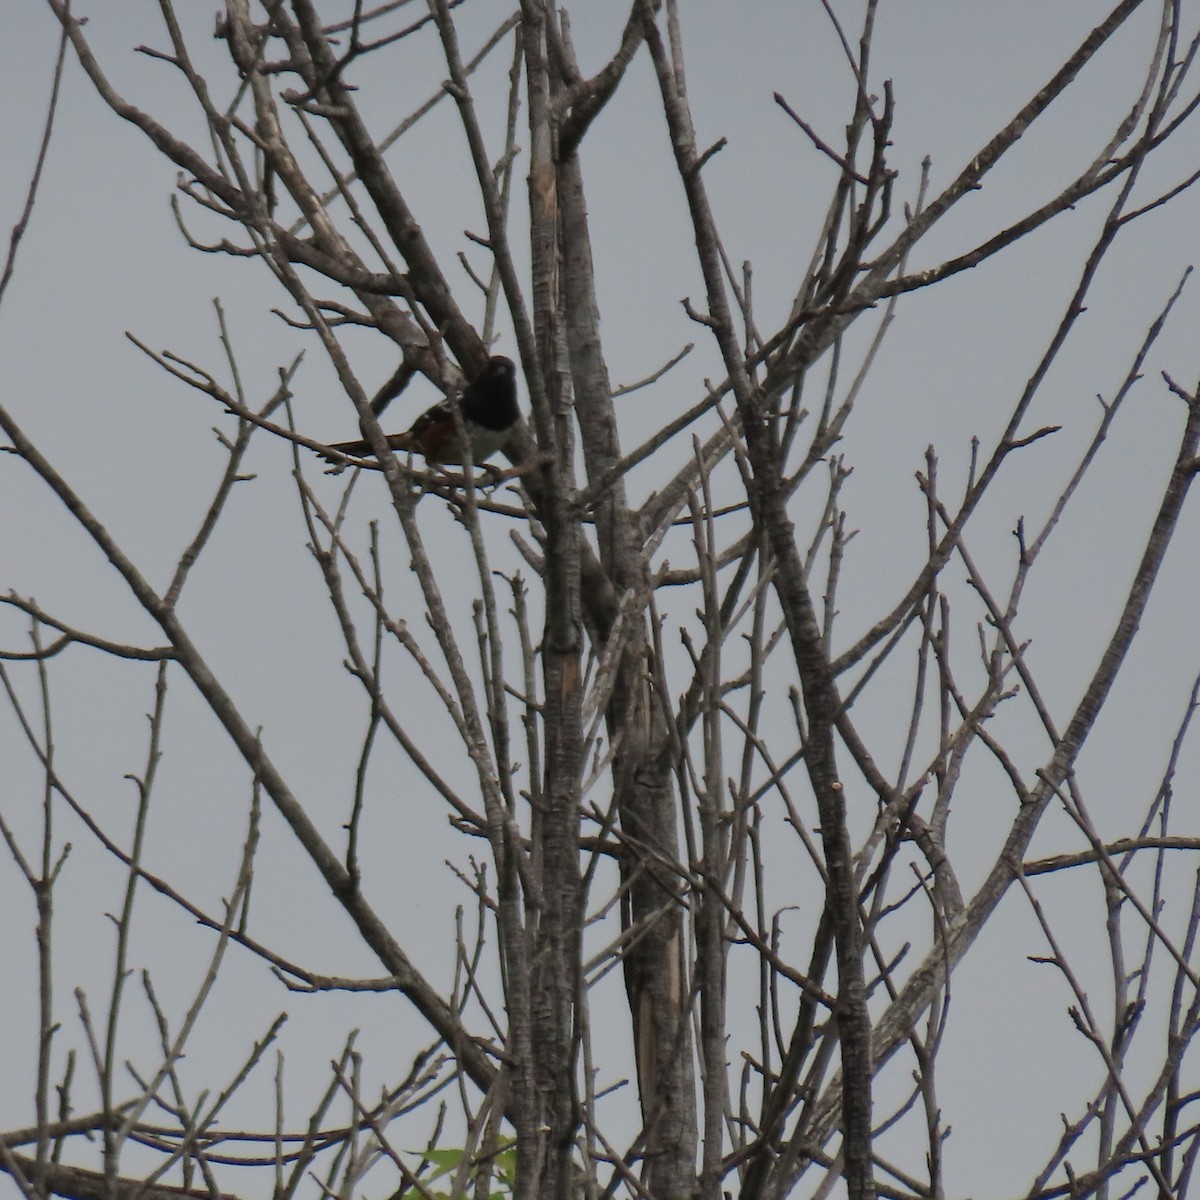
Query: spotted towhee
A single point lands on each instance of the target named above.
(489, 412)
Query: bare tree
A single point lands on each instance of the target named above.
(665, 756)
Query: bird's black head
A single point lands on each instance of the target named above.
(491, 397)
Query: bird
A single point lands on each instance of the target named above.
(489, 411)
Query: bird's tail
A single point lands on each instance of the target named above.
(360, 448)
